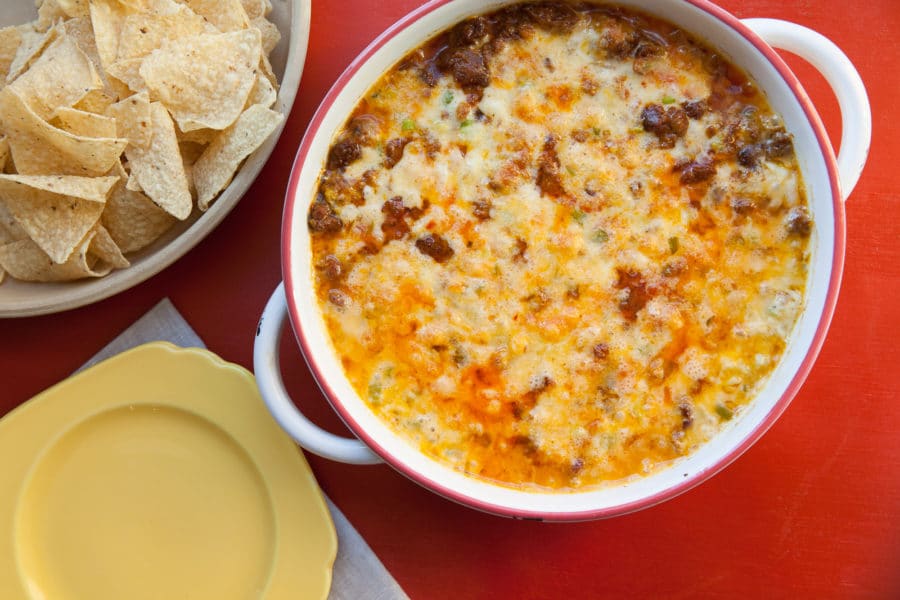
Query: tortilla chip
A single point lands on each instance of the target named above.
(96, 101)
(269, 32)
(204, 80)
(32, 44)
(107, 17)
(10, 231)
(49, 12)
(191, 151)
(132, 219)
(158, 167)
(142, 33)
(262, 93)
(10, 38)
(105, 248)
(74, 8)
(226, 15)
(199, 136)
(256, 8)
(132, 117)
(26, 261)
(40, 148)
(93, 189)
(60, 77)
(128, 71)
(120, 90)
(4, 152)
(85, 124)
(265, 67)
(133, 184)
(217, 165)
(55, 212)
(189, 173)
(81, 30)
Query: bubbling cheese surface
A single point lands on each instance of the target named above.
(559, 245)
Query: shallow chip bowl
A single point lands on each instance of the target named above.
(22, 299)
(748, 43)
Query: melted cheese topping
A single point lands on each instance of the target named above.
(595, 311)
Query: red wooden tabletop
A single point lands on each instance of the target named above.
(811, 511)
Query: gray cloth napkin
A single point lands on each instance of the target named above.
(358, 574)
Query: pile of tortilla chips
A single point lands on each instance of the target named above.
(116, 116)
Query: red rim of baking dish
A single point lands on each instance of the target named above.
(672, 491)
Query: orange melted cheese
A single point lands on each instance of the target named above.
(574, 273)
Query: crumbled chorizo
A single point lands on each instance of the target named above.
(339, 191)
(393, 151)
(798, 222)
(343, 153)
(511, 23)
(548, 179)
(695, 109)
(394, 226)
(647, 49)
(589, 85)
(524, 442)
(429, 73)
(638, 292)
(636, 188)
(322, 217)
(553, 16)
(435, 246)
(667, 124)
(779, 145)
(462, 111)
(469, 32)
(521, 247)
(467, 67)
(364, 129)
(681, 163)
(331, 267)
(431, 144)
(687, 415)
(741, 205)
(698, 170)
(619, 39)
(580, 135)
(482, 209)
(748, 155)
(338, 298)
(739, 128)
(538, 301)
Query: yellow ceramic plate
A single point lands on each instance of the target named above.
(158, 474)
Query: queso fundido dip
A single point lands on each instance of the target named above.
(560, 245)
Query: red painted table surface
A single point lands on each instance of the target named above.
(811, 511)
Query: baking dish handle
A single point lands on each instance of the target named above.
(267, 367)
(841, 75)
